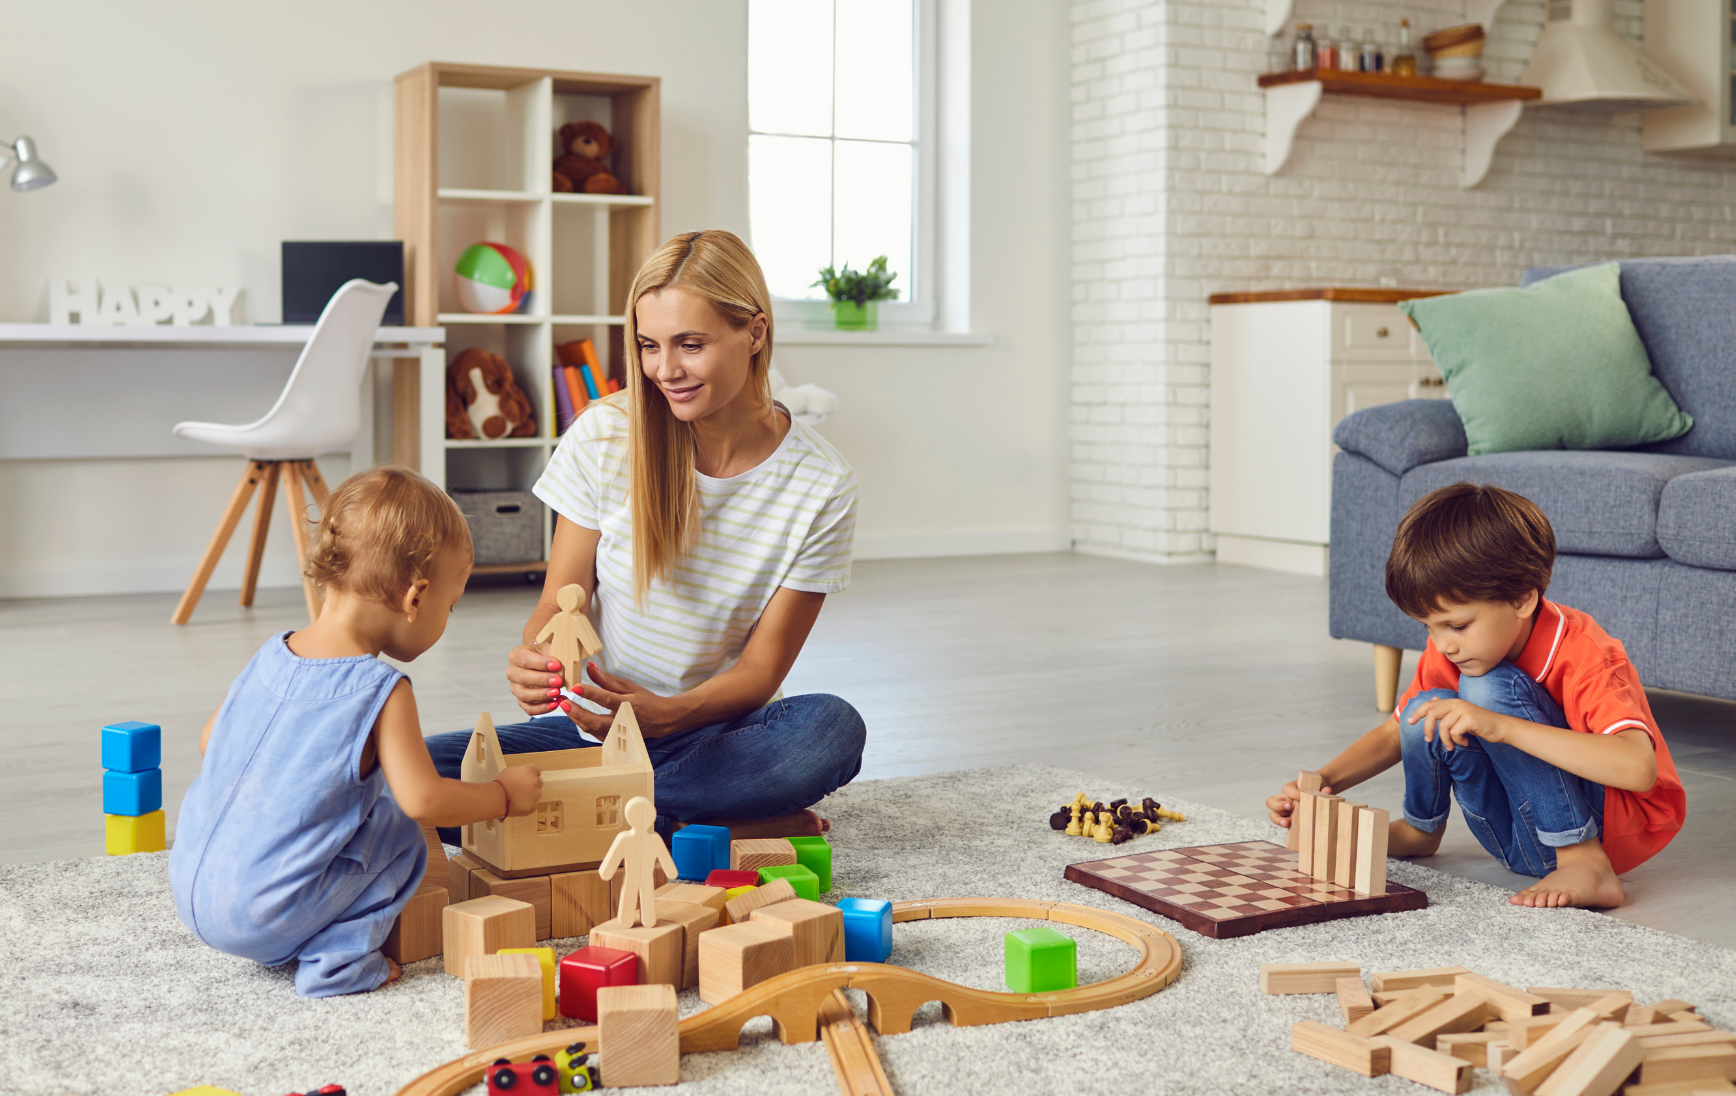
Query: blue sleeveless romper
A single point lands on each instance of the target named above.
(281, 852)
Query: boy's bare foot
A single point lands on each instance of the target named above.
(1404, 839)
(796, 824)
(1582, 877)
(393, 972)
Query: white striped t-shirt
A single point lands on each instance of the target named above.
(790, 521)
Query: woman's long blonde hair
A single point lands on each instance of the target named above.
(716, 265)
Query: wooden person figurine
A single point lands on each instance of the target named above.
(637, 849)
(574, 640)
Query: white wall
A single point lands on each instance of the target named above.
(190, 139)
(1170, 205)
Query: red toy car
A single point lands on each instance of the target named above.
(328, 1090)
(536, 1077)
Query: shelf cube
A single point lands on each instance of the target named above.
(585, 971)
(128, 833)
(814, 854)
(802, 878)
(545, 957)
(699, 850)
(132, 747)
(132, 793)
(1040, 960)
(867, 929)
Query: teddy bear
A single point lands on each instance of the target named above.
(580, 166)
(483, 400)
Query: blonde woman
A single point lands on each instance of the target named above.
(707, 527)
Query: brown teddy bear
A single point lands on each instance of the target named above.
(483, 399)
(580, 166)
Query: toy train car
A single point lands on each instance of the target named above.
(573, 1071)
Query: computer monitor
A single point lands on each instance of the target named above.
(313, 270)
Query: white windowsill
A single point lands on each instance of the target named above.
(882, 337)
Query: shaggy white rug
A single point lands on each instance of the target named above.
(106, 994)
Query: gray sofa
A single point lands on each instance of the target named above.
(1646, 537)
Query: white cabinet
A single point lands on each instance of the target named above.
(1285, 367)
(1692, 39)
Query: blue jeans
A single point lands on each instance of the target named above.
(788, 755)
(1521, 808)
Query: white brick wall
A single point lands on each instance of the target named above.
(1170, 206)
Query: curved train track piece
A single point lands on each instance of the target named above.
(799, 1001)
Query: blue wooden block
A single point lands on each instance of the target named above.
(867, 929)
(132, 794)
(699, 850)
(132, 747)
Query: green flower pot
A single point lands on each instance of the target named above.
(850, 316)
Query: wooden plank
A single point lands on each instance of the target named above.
(1344, 858)
(1523, 1033)
(1353, 1000)
(1507, 1002)
(1278, 978)
(1472, 1046)
(1531, 1066)
(1305, 781)
(1371, 847)
(1426, 1066)
(1386, 981)
(1325, 835)
(1360, 295)
(854, 1061)
(1610, 1057)
(1460, 1012)
(1385, 85)
(1686, 1039)
(1339, 1048)
(1302, 825)
(1679, 1088)
(1570, 999)
(1691, 1063)
(1411, 1005)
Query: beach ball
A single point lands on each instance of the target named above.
(493, 279)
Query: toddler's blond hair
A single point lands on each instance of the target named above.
(381, 530)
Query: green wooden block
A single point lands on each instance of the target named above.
(801, 877)
(1040, 960)
(814, 854)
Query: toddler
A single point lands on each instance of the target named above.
(287, 845)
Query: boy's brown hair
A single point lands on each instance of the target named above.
(1469, 542)
(381, 530)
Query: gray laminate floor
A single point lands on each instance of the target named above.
(1209, 683)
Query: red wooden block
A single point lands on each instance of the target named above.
(585, 971)
(725, 878)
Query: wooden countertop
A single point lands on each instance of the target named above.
(1328, 293)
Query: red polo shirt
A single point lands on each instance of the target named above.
(1588, 673)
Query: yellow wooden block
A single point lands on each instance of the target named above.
(545, 956)
(127, 834)
(729, 896)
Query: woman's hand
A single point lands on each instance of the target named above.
(535, 678)
(657, 715)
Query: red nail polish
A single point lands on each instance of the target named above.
(578, 690)
(554, 665)
(566, 706)
(553, 693)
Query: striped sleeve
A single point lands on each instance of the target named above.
(822, 564)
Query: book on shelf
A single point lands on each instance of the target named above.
(575, 389)
(590, 379)
(614, 386)
(563, 402)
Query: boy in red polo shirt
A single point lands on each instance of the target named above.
(1526, 710)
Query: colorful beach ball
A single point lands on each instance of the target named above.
(493, 279)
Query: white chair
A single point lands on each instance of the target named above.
(319, 411)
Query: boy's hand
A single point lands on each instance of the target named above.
(523, 784)
(1280, 806)
(1456, 721)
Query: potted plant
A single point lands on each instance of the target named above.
(856, 294)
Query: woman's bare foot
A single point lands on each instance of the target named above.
(393, 972)
(797, 824)
(1404, 839)
(1582, 877)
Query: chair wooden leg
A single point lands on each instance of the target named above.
(250, 478)
(261, 527)
(315, 485)
(1386, 665)
(297, 503)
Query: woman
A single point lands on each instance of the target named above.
(707, 528)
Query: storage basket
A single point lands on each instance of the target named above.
(505, 526)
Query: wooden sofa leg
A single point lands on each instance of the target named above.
(1386, 664)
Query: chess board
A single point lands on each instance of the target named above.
(1224, 891)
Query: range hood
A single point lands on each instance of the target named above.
(1582, 63)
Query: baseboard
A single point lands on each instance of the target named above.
(974, 542)
(1273, 555)
(1173, 559)
(93, 580)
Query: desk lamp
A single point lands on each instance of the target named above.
(31, 172)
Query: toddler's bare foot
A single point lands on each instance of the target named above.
(393, 972)
(795, 824)
(1404, 839)
(1582, 877)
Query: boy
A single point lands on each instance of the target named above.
(1527, 710)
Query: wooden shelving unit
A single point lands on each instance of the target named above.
(1490, 109)
(473, 155)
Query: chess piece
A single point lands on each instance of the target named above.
(1058, 820)
(636, 850)
(1173, 816)
(572, 639)
(1105, 829)
(1121, 834)
(1073, 827)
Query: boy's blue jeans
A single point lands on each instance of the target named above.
(1520, 807)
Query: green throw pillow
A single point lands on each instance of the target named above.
(1556, 365)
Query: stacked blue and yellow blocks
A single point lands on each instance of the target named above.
(132, 788)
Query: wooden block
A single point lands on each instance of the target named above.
(1684, 1039)
(1371, 836)
(503, 998)
(482, 926)
(694, 920)
(1472, 1046)
(578, 902)
(1610, 1057)
(1344, 859)
(661, 949)
(459, 869)
(1570, 999)
(1307, 782)
(695, 894)
(1385, 997)
(1611, 1006)
(1690, 1063)
(764, 852)
(739, 908)
(1426, 1066)
(1339, 1048)
(1409, 1006)
(1522, 1033)
(1674, 1027)
(1353, 1000)
(1460, 1012)
(738, 956)
(416, 934)
(1641, 1015)
(1679, 1088)
(1672, 1006)
(545, 957)
(1500, 1053)
(1305, 977)
(1325, 834)
(1302, 817)
(1505, 1001)
(532, 890)
(1388, 980)
(1528, 1068)
(637, 1036)
(816, 929)
(1572, 1061)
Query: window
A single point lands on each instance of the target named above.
(548, 817)
(609, 811)
(840, 146)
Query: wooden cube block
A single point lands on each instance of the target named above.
(416, 934)
(1410, 1004)
(533, 890)
(459, 869)
(1340, 1048)
(503, 998)
(694, 920)
(695, 894)
(437, 870)
(1460, 1012)
(578, 902)
(1386, 981)
(760, 853)
(740, 907)
(738, 956)
(637, 1036)
(1426, 1066)
(546, 958)
(1305, 977)
(660, 949)
(1507, 1002)
(816, 929)
(482, 926)
(1353, 1000)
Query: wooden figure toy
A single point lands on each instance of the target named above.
(637, 849)
(570, 636)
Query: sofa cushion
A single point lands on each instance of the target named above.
(1599, 503)
(1697, 519)
(1399, 436)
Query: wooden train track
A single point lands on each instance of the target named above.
(799, 1001)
